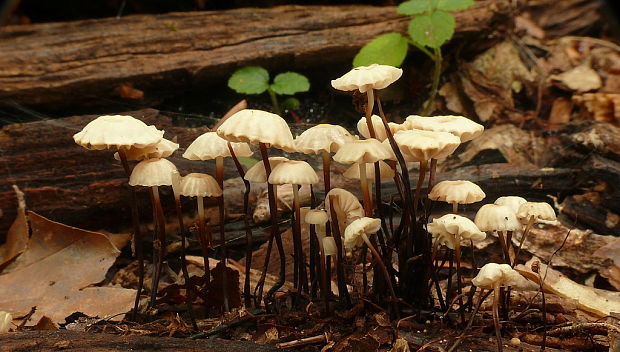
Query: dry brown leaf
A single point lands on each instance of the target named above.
(56, 270)
(17, 236)
(580, 79)
(590, 299)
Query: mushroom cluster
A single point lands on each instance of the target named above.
(405, 247)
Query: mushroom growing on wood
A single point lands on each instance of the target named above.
(500, 218)
(530, 213)
(514, 202)
(457, 192)
(154, 173)
(265, 129)
(460, 126)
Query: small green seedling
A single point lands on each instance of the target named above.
(431, 27)
(255, 80)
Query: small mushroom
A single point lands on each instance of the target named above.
(530, 213)
(318, 218)
(457, 192)
(514, 202)
(460, 126)
(348, 207)
(500, 218)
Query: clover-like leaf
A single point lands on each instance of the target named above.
(414, 7)
(289, 83)
(249, 80)
(291, 103)
(432, 30)
(387, 49)
(454, 5)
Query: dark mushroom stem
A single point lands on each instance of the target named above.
(526, 231)
(275, 233)
(219, 177)
(343, 293)
(421, 175)
(160, 243)
(300, 258)
(379, 261)
(188, 285)
(204, 236)
(248, 231)
(496, 323)
(137, 235)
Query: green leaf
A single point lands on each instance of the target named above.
(433, 30)
(249, 80)
(289, 83)
(454, 5)
(387, 49)
(248, 162)
(414, 7)
(291, 103)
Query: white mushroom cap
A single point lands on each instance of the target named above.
(367, 151)
(460, 126)
(541, 212)
(377, 124)
(257, 126)
(493, 274)
(152, 172)
(493, 217)
(385, 170)
(514, 202)
(329, 246)
(199, 185)
(346, 205)
(448, 226)
(460, 192)
(257, 172)
(294, 172)
(162, 149)
(353, 232)
(209, 146)
(117, 131)
(364, 78)
(419, 145)
(316, 217)
(322, 138)
(5, 321)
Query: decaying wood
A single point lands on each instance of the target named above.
(50, 63)
(63, 340)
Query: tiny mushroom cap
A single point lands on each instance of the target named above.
(329, 246)
(540, 211)
(152, 172)
(461, 192)
(493, 217)
(322, 138)
(460, 126)
(162, 149)
(318, 218)
(419, 145)
(346, 205)
(257, 172)
(385, 170)
(257, 126)
(448, 226)
(364, 78)
(363, 151)
(210, 146)
(377, 124)
(493, 275)
(362, 226)
(514, 202)
(294, 172)
(199, 185)
(117, 131)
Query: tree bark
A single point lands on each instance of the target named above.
(86, 62)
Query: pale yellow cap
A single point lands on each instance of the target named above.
(445, 229)
(257, 172)
(514, 202)
(163, 149)
(377, 124)
(367, 151)
(460, 126)
(117, 131)
(353, 232)
(199, 185)
(152, 172)
(460, 192)
(385, 170)
(294, 172)
(346, 205)
(257, 126)
(364, 78)
(541, 212)
(493, 217)
(210, 146)
(322, 138)
(419, 145)
(493, 274)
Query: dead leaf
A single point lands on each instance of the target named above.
(56, 270)
(602, 107)
(216, 296)
(590, 300)
(272, 335)
(580, 79)
(17, 236)
(127, 91)
(560, 111)
(400, 345)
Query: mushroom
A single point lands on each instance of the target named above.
(162, 149)
(348, 208)
(492, 276)
(514, 202)
(295, 173)
(530, 213)
(154, 173)
(459, 126)
(318, 218)
(122, 132)
(265, 129)
(357, 233)
(323, 139)
(362, 152)
(500, 218)
(210, 146)
(457, 192)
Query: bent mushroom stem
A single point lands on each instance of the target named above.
(418, 187)
(528, 227)
(496, 323)
(219, 176)
(248, 230)
(343, 292)
(137, 235)
(188, 285)
(205, 242)
(364, 187)
(370, 94)
(160, 243)
(385, 272)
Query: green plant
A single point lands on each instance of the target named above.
(432, 26)
(255, 80)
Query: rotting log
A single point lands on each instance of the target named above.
(85, 62)
(96, 342)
